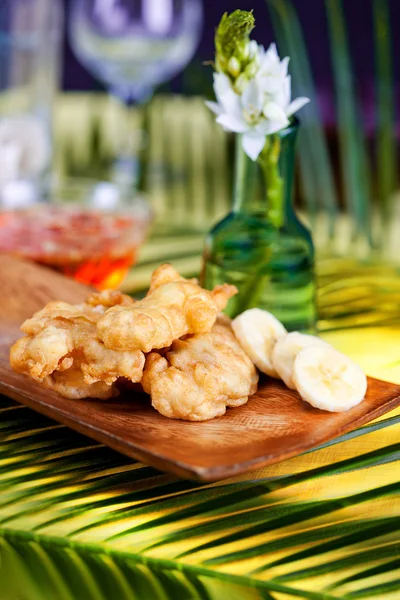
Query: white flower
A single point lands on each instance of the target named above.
(244, 114)
(275, 82)
(254, 49)
(261, 105)
(272, 70)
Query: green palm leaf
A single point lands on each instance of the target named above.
(69, 572)
(77, 519)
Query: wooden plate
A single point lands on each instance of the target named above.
(275, 424)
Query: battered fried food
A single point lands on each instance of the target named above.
(83, 350)
(61, 349)
(72, 385)
(108, 298)
(173, 307)
(198, 377)
(89, 311)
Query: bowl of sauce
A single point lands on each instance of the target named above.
(95, 242)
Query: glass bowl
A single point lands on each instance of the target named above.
(88, 231)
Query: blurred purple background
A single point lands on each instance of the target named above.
(197, 79)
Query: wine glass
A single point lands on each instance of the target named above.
(132, 46)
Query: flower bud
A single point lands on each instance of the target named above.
(232, 42)
(252, 48)
(245, 54)
(221, 64)
(251, 70)
(240, 84)
(234, 67)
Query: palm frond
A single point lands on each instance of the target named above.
(80, 521)
(68, 571)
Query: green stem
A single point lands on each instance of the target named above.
(269, 163)
(254, 288)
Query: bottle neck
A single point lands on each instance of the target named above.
(263, 188)
(246, 197)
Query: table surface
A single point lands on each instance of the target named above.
(79, 521)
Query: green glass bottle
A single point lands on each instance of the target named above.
(261, 246)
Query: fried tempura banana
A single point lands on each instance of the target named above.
(173, 307)
(198, 377)
(61, 349)
(91, 310)
(108, 298)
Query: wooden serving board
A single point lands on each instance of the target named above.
(275, 423)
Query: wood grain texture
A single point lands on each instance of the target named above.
(275, 424)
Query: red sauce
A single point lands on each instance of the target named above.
(93, 247)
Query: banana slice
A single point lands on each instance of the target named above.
(257, 331)
(285, 351)
(328, 379)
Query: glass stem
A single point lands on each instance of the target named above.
(130, 169)
(144, 150)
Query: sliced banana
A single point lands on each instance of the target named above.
(328, 379)
(257, 331)
(287, 348)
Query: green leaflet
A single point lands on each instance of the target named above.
(259, 515)
(354, 159)
(223, 501)
(368, 532)
(316, 170)
(322, 508)
(385, 567)
(338, 531)
(374, 555)
(318, 183)
(386, 159)
(376, 590)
